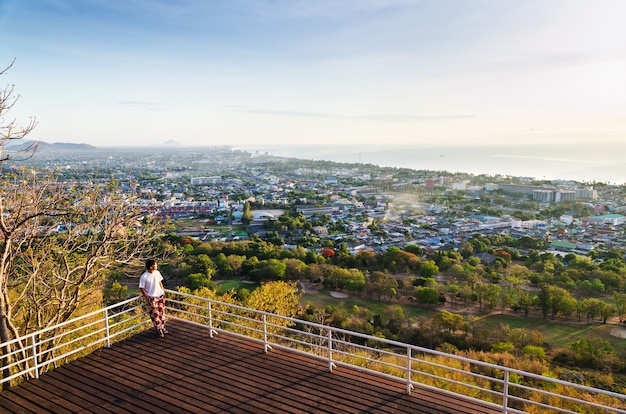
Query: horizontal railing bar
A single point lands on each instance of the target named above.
(302, 334)
(71, 331)
(70, 353)
(65, 344)
(351, 333)
(458, 370)
(552, 394)
(542, 405)
(114, 325)
(301, 342)
(25, 338)
(463, 384)
(71, 321)
(18, 363)
(467, 397)
(17, 375)
(130, 328)
(415, 349)
(319, 341)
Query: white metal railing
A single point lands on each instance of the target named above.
(505, 389)
(37, 352)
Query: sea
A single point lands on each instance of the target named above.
(589, 164)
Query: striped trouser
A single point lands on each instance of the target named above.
(157, 312)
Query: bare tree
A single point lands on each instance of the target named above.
(58, 243)
(10, 129)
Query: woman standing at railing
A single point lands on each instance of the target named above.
(151, 287)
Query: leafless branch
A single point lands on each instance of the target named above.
(11, 130)
(58, 243)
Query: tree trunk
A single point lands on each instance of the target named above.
(6, 349)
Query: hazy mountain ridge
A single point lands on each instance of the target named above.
(22, 145)
(171, 143)
(65, 146)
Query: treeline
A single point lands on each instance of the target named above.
(587, 288)
(546, 285)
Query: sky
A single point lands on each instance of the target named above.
(288, 72)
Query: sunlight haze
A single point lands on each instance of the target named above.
(404, 72)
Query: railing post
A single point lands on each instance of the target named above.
(107, 329)
(331, 364)
(33, 344)
(265, 344)
(210, 319)
(505, 392)
(408, 370)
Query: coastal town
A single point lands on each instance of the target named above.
(363, 206)
(496, 267)
(313, 207)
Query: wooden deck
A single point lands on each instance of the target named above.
(189, 372)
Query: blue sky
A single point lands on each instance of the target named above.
(242, 72)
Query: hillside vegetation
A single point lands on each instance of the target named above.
(522, 311)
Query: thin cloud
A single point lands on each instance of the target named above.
(153, 106)
(293, 113)
(393, 118)
(457, 71)
(413, 118)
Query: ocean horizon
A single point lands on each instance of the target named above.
(582, 163)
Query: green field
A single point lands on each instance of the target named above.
(323, 299)
(237, 285)
(558, 334)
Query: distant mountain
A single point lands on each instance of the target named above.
(20, 145)
(170, 143)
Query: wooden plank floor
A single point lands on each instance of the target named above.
(189, 372)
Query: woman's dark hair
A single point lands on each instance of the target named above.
(150, 263)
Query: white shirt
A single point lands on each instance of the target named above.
(150, 283)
